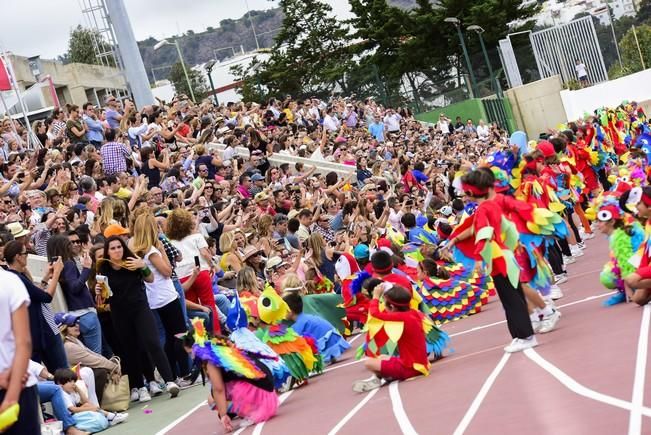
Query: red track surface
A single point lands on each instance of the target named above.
(594, 351)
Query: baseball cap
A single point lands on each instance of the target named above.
(63, 320)
(257, 177)
(361, 251)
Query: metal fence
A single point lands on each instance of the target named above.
(557, 50)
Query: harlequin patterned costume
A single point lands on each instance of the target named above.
(299, 353)
(248, 382)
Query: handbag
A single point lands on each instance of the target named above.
(116, 396)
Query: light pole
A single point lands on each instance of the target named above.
(255, 36)
(185, 71)
(612, 29)
(209, 66)
(479, 30)
(456, 23)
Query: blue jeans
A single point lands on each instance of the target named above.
(51, 392)
(179, 290)
(223, 305)
(206, 317)
(91, 332)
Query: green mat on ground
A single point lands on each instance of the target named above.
(325, 306)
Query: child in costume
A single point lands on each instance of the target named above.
(328, 340)
(624, 241)
(299, 353)
(489, 236)
(404, 325)
(355, 303)
(448, 297)
(245, 339)
(241, 383)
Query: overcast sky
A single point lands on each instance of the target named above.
(41, 27)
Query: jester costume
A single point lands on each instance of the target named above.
(299, 353)
(248, 382)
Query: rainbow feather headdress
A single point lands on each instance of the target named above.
(222, 353)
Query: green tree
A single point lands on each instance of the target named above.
(643, 15)
(310, 53)
(81, 46)
(197, 80)
(629, 49)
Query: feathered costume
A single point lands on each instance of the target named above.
(237, 322)
(248, 382)
(299, 353)
(355, 303)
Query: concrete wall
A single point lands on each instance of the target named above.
(634, 87)
(468, 109)
(74, 78)
(537, 106)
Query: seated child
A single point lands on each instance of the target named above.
(87, 417)
(329, 342)
(412, 360)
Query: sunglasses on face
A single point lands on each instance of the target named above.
(75, 242)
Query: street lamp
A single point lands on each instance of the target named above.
(599, 11)
(185, 71)
(457, 23)
(479, 30)
(209, 66)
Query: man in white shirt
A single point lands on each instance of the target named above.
(330, 121)
(392, 121)
(582, 73)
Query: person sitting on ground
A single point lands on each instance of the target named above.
(330, 343)
(87, 417)
(411, 344)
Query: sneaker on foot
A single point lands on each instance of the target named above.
(367, 385)
(536, 325)
(118, 418)
(587, 236)
(560, 279)
(549, 322)
(134, 395)
(155, 389)
(576, 252)
(568, 260)
(520, 344)
(615, 299)
(555, 292)
(143, 395)
(173, 389)
(183, 383)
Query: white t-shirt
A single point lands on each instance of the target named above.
(13, 295)
(71, 399)
(331, 123)
(189, 248)
(394, 219)
(392, 122)
(482, 132)
(581, 71)
(160, 292)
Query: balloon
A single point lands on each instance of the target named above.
(519, 138)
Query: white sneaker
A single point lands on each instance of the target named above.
(155, 389)
(118, 418)
(576, 252)
(555, 292)
(367, 385)
(143, 395)
(549, 322)
(581, 244)
(560, 279)
(587, 236)
(568, 260)
(520, 344)
(536, 325)
(134, 395)
(173, 389)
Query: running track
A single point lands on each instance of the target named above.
(586, 377)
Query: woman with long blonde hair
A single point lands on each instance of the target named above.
(264, 235)
(161, 293)
(231, 260)
(104, 215)
(247, 283)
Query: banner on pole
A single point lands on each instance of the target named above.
(5, 84)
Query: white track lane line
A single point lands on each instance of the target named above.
(637, 402)
(399, 410)
(170, 426)
(579, 389)
(352, 339)
(353, 411)
(340, 366)
(476, 403)
(569, 304)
